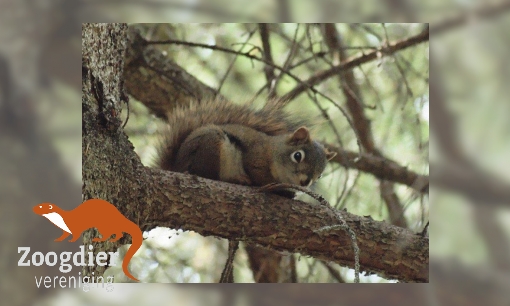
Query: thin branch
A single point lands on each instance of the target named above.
(336, 275)
(357, 61)
(362, 124)
(397, 64)
(268, 69)
(222, 81)
(381, 167)
(212, 47)
(341, 221)
(314, 56)
(286, 64)
(227, 275)
(293, 50)
(280, 103)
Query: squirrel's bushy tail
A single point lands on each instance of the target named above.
(184, 120)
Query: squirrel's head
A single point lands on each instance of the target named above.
(300, 160)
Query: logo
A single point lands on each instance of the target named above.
(92, 213)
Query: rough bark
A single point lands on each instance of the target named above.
(183, 201)
(109, 164)
(159, 82)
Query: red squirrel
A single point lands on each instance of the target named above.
(94, 213)
(234, 143)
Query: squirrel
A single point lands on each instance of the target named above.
(219, 140)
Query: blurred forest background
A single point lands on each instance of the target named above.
(41, 52)
(386, 100)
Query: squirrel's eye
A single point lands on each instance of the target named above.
(297, 156)
(51, 206)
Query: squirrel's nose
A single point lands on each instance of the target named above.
(306, 182)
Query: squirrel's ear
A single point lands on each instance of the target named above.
(301, 135)
(329, 154)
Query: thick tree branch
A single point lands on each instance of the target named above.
(158, 82)
(183, 201)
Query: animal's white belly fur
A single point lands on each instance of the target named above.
(57, 219)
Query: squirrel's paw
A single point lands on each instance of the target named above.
(276, 188)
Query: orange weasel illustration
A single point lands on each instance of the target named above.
(94, 213)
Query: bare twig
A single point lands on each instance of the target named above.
(382, 168)
(425, 230)
(343, 225)
(357, 61)
(362, 124)
(336, 275)
(268, 69)
(227, 275)
(222, 81)
(397, 64)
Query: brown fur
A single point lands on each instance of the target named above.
(183, 121)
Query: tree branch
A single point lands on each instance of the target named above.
(268, 70)
(356, 61)
(381, 167)
(160, 83)
(183, 201)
